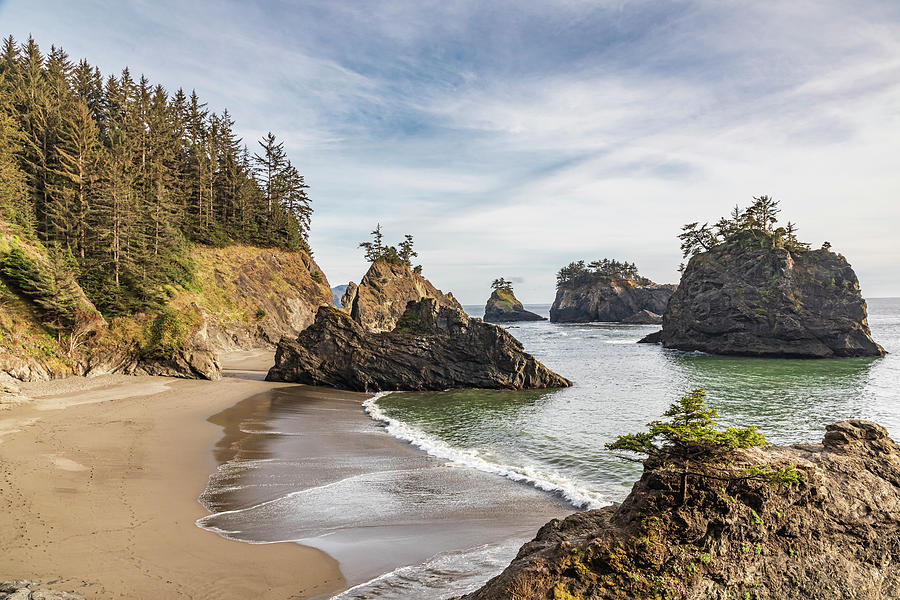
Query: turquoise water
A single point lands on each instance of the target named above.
(555, 439)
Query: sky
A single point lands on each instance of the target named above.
(511, 138)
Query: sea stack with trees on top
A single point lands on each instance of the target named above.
(751, 288)
(504, 307)
(607, 290)
(389, 285)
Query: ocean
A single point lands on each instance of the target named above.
(553, 441)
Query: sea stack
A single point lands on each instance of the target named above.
(608, 290)
(504, 307)
(759, 294)
(432, 347)
(833, 535)
(381, 297)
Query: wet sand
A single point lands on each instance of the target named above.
(99, 480)
(332, 478)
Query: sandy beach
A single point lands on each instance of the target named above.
(99, 480)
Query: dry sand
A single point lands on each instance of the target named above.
(99, 480)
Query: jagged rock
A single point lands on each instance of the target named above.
(610, 301)
(381, 297)
(644, 317)
(432, 347)
(753, 296)
(835, 536)
(22, 590)
(504, 307)
(349, 296)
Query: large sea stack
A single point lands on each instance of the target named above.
(608, 290)
(834, 536)
(381, 297)
(756, 295)
(432, 347)
(504, 307)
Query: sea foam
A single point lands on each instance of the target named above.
(577, 495)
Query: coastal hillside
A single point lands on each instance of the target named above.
(607, 290)
(138, 233)
(753, 289)
(240, 297)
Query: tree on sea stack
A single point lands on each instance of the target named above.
(501, 284)
(401, 254)
(692, 440)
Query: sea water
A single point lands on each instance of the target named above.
(555, 439)
(549, 441)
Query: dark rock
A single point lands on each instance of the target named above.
(610, 301)
(644, 317)
(651, 338)
(834, 536)
(504, 307)
(432, 347)
(381, 297)
(753, 296)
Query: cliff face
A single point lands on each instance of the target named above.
(614, 301)
(504, 307)
(432, 347)
(242, 297)
(753, 296)
(835, 536)
(381, 297)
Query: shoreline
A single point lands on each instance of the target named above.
(100, 484)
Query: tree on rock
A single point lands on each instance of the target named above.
(501, 284)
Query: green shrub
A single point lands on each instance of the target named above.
(168, 333)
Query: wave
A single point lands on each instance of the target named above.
(577, 495)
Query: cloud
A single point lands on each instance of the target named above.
(513, 137)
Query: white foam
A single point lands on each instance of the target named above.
(579, 496)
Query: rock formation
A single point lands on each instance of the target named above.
(381, 297)
(624, 301)
(836, 535)
(504, 307)
(22, 589)
(432, 347)
(752, 295)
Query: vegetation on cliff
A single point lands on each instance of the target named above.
(116, 177)
(604, 270)
(503, 306)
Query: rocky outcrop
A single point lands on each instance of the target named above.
(618, 301)
(504, 307)
(834, 536)
(644, 317)
(22, 589)
(382, 295)
(250, 297)
(432, 347)
(752, 295)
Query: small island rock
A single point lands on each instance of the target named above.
(504, 307)
(754, 295)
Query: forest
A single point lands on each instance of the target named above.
(117, 177)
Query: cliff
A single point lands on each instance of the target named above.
(432, 347)
(381, 297)
(753, 295)
(610, 300)
(240, 297)
(836, 535)
(504, 307)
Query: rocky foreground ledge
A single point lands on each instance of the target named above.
(834, 536)
(22, 589)
(432, 347)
